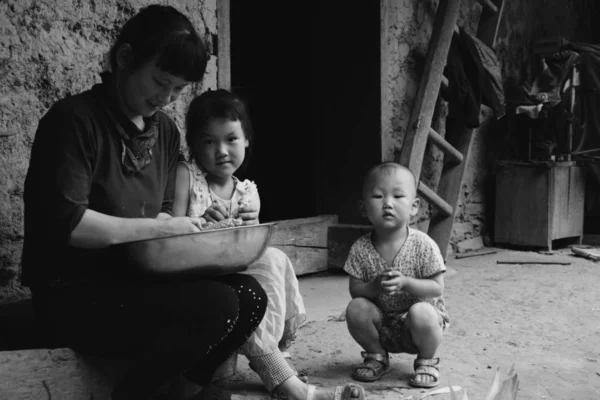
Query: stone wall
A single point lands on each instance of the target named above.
(50, 49)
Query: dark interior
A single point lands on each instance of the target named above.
(310, 76)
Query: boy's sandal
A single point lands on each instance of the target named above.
(350, 391)
(375, 362)
(428, 367)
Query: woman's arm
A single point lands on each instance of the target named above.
(182, 193)
(97, 230)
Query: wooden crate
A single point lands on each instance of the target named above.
(537, 203)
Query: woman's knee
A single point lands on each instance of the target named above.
(250, 294)
(423, 316)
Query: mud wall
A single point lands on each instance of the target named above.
(50, 49)
(409, 25)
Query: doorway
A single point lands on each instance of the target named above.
(310, 75)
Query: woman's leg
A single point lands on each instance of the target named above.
(252, 305)
(165, 327)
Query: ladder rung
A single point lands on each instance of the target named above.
(445, 88)
(489, 5)
(445, 83)
(433, 198)
(455, 155)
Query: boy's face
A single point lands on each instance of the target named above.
(389, 199)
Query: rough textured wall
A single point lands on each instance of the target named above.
(50, 49)
(409, 25)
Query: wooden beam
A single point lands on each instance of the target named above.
(306, 260)
(309, 232)
(454, 155)
(415, 140)
(433, 198)
(224, 44)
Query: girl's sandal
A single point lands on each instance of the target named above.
(426, 366)
(375, 362)
(346, 392)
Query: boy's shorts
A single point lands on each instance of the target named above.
(395, 335)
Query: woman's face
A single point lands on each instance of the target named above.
(147, 89)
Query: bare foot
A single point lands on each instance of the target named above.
(294, 389)
(347, 392)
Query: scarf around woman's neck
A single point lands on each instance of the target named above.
(136, 151)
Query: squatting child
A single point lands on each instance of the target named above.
(396, 281)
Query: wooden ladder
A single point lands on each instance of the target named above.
(456, 145)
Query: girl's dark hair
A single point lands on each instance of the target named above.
(163, 31)
(213, 104)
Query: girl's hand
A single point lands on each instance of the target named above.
(178, 225)
(248, 214)
(392, 281)
(215, 213)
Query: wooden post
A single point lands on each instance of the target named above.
(224, 46)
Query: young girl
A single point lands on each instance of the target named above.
(218, 135)
(396, 281)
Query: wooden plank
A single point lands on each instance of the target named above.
(311, 232)
(450, 185)
(340, 239)
(415, 140)
(224, 46)
(567, 202)
(454, 156)
(306, 260)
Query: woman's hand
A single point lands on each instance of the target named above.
(178, 225)
(248, 214)
(392, 281)
(215, 213)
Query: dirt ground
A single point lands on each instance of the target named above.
(544, 319)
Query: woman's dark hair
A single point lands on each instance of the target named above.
(213, 104)
(163, 32)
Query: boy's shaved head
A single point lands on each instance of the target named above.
(389, 167)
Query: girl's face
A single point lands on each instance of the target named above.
(221, 148)
(147, 89)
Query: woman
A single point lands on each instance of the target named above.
(102, 172)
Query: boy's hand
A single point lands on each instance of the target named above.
(392, 281)
(215, 213)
